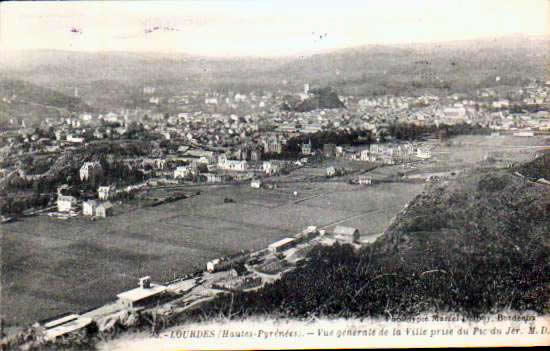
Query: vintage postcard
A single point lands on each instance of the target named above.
(274, 174)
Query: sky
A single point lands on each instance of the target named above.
(261, 28)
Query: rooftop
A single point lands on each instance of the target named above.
(73, 325)
(140, 293)
(281, 242)
(339, 229)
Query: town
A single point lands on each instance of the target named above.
(236, 137)
(241, 149)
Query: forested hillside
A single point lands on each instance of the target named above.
(477, 245)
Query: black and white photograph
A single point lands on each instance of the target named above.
(238, 174)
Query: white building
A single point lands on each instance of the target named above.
(233, 165)
(269, 167)
(364, 180)
(105, 192)
(182, 172)
(347, 234)
(282, 245)
(331, 171)
(423, 153)
(89, 207)
(256, 183)
(104, 209)
(90, 169)
(65, 203)
(212, 177)
(73, 139)
(144, 294)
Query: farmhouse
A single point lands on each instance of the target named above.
(348, 234)
(144, 294)
(65, 203)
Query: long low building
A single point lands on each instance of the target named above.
(346, 233)
(282, 245)
(64, 325)
(144, 294)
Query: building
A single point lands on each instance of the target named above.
(212, 177)
(227, 262)
(89, 207)
(73, 139)
(182, 172)
(60, 135)
(270, 168)
(306, 148)
(104, 209)
(365, 155)
(65, 203)
(307, 234)
(63, 325)
(105, 192)
(348, 234)
(256, 183)
(423, 153)
(272, 144)
(145, 294)
(282, 245)
(364, 180)
(233, 165)
(90, 170)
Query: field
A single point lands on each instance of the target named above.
(51, 266)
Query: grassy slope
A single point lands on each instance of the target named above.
(480, 244)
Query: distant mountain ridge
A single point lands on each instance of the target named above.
(374, 69)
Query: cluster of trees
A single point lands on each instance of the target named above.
(294, 145)
(406, 131)
(399, 131)
(16, 206)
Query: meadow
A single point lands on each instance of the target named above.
(50, 266)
